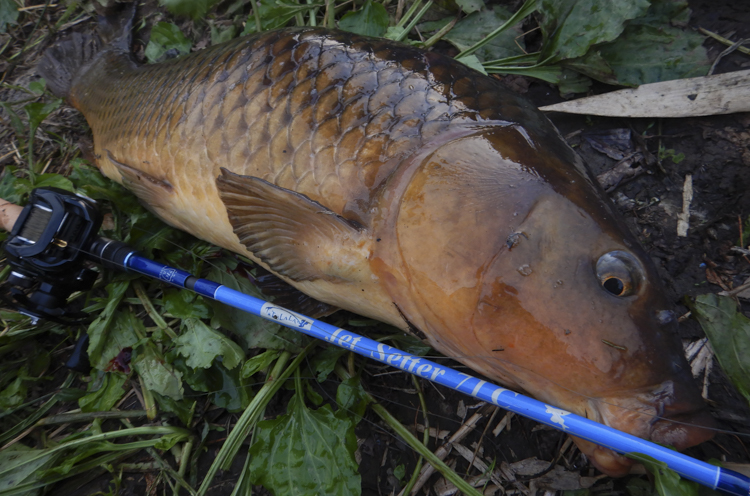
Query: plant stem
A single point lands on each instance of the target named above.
(256, 14)
(414, 21)
(166, 467)
(149, 403)
(151, 310)
(136, 431)
(330, 22)
(72, 418)
(439, 35)
(425, 437)
(723, 40)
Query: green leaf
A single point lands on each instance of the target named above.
(8, 14)
(10, 185)
(15, 120)
(473, 62)
(183, 409)
(201, 345)
(166, 39)
(93, 184)
(593, 65)
(166, 442)
(37, 87)
(351, 398)
(571, 27)
(225, 388)
(222, 35)
(258, 362)
(255, 331)
(19, 464)
(185, 304)
(52, 180)
(399, 472)
(572, 82)
(188, 8)
(111, 331)
(13, 395)
(667, 482)
(469, 6)
(305, 452)
(158, 375)
(324, 361)
(648, 54)
(370, 20)
(104, 392)
(674, 12)
(38, 111)
(394, 32)
(729, 333)
(70, 394)
(478, 25)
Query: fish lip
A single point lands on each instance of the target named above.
(664, 413)
(684, 430)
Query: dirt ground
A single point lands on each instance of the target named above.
(717, 157)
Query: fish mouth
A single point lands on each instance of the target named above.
(656, 416)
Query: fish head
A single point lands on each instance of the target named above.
(512, 260)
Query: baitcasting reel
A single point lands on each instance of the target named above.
(47, 249)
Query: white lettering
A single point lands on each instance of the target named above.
(423, 369)
(354, 343)
(332, 337)
(394, 357)
(437, 372)
(381, 351)
(478, 387)
(414, 361)
(496, 394)
(467, 378)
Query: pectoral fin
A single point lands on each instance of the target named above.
(295, 236)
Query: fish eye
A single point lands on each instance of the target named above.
(619, 273)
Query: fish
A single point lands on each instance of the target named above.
(401, 185)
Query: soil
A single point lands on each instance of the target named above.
(716, 156)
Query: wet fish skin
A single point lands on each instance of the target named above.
(388, 181)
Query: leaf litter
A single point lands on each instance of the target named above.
(199, 383)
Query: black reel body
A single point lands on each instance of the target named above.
(46, 251)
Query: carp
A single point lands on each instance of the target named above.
(399, 184)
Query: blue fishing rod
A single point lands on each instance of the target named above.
(57, 228)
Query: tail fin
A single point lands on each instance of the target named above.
(61, 62)
(65, 59)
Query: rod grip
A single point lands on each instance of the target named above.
(9, 213)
